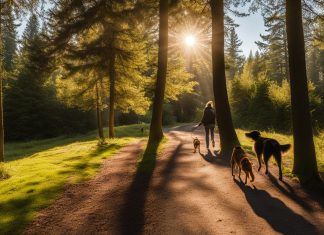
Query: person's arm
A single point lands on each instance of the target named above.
(203, 118)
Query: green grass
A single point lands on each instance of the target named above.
(288, 157)
(18, 150)
(36, 171)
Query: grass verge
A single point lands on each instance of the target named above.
(287, 160)
(38, 170)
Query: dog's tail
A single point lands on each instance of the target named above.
(284, 148)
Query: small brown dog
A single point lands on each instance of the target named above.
(196, 143)
(240, 158)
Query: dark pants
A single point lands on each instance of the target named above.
(209, 128)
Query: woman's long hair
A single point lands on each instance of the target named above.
(209, 104)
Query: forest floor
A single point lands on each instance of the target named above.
(187, 193)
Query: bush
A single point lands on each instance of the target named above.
(265, 105)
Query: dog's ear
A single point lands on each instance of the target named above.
(253, 134)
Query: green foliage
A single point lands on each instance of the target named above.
(169, 116)
(259, 102)
(8, 37)
(274, 43)
(37, 178)
(179, 81)
(31, 108)
(234, 59)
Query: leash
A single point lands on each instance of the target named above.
(192, 131)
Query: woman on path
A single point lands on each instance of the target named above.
(208, 120)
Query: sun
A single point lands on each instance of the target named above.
(190, 40)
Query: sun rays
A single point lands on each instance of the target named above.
(191, 38)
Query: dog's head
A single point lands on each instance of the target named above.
(196, 141)
(237, 151)
(254, 135)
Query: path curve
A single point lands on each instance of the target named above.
(187, 194)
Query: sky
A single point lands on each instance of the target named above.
(249, 31)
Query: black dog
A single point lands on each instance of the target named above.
(268, 147)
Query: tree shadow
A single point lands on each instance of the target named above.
(131, 215)
(216, 158)
(280, 217)
(289, 192)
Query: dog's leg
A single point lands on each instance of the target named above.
(258, 150)
(266, 156)
(246, 176)
(232, 165)
(278, 160)
(240, 173)
(198, 148)
(251, 176)
(259, 161)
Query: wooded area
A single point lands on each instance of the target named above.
(80, 65)
(83, 81)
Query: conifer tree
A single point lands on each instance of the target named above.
(28, 100)
(6, 8)
(9, 39)
(234, 59)
(274, 43)
(113, 46)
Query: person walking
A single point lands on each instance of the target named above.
(209, 120)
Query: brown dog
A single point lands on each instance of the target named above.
(196, 143)
(268, 147)
(240, 158)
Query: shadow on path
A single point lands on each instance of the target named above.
(289, 192)
(131, 216)
(280, 217)
(216, 159)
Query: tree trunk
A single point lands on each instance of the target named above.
(286, 59)
(112, 80)
(304, 152)
(1, 99)
(99, 117)
(228, 138)
(1, 119)
(156, 132)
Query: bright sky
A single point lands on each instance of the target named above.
(249, 31)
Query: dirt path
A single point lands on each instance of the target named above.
(187, 194)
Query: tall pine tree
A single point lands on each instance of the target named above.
(234, 58)
(28, 100)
